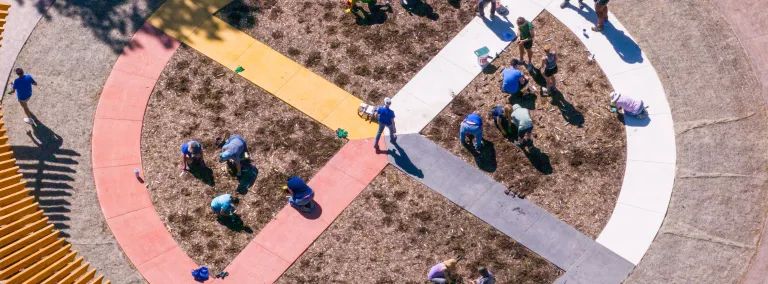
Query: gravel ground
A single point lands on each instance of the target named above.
(70, 54)
(720, 195)
(398, 228)
(575, 173)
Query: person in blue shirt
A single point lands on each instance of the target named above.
(301, 194)
(472, 125)
(191, 153)
(224, 205)
(234, 151)
(386, 119)
(22, 86)
(500, 116)
(513, 80)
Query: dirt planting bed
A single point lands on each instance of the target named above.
(196, 98)
(398, 228)
(576, 170)
(369, 57)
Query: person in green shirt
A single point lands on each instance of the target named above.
(525, 39)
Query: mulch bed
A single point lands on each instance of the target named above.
(398, 228)
(196, 98)
(370, 58)
(577, 172)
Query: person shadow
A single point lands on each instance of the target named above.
(538, 159)
(316, 212)
(247, 178)
(570, 114)
(204, 174)
(234, 223)
(376, 14)
(403, 161)
(485, 157)
(624, 46)
(501, 26)
(420, 8)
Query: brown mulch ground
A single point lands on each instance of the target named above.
(370, 59)
(577, 172)
(398, 228)
(196, 98)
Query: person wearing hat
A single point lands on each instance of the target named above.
(628, 104)
(224, 205)
(525, 40)
(22, 86)
(472, 125)
(191, 153)
(234, 151)
(301, 194)
(441, 272)
(521, 117)
(386, 119)
(549, 63)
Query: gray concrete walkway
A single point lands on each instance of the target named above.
(70, 53)
(583, 259)
(21, 20)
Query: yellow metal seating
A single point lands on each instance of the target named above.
(31, 250)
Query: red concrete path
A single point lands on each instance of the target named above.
(128, 208)
(748, 19)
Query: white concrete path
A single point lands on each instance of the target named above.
(651, 152)
(22, 19)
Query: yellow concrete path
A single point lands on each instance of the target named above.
(192, 22)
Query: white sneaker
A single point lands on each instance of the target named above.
(28, 120)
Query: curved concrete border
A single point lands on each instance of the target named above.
(20, 22)
(651, 150)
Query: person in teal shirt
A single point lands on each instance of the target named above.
(224, 205)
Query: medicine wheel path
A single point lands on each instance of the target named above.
(143, 236)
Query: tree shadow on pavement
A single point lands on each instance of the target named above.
(47, 168)
(624, 46)
(114, 21)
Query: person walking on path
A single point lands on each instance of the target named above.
(521, 117)
(486, 277)
(601, 9)
(549, 62)
(301, 194)
(234, 151)
(481, 8)
(224, 205)
(472, 125)
(442, 272)
(500, 116)
(386, 119)
(566, 2)
(525, 40)
(22, 86)
(513, 80)
(191, 155)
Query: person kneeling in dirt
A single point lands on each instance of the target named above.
(191, 155)
(513, 80)
(234, 151)
(472, 125)
(521, 117)
(441, 272)
(223, 205)
(500, 116)
(630, 105)
(301, 195)
(486, 277)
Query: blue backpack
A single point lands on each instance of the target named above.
(200, 274)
